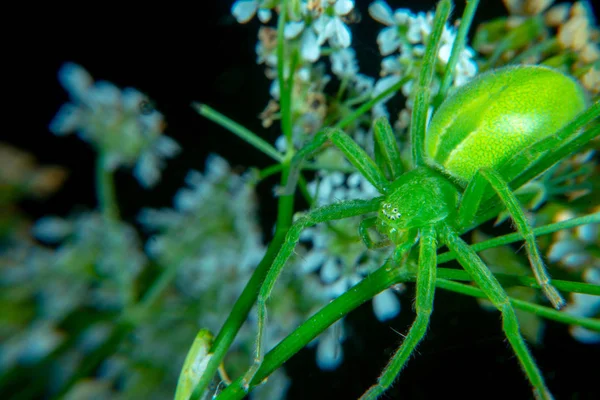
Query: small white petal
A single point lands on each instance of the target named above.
(561, 249)
(380, 11)
(132, 99)
(146, 170)
(217, 167)
(343, 36)
(337, 178)
(402, 16)
(329, 352)
(388, 40)
(244, 10)
(264, 15)
(75, 79)
(386, 305)
(585, 335)
(337, 289)
(312, 261)
(354, 179)
(67, 119)
(343, 7)
(105, 94)
(293, 29)
(330, 271)
(383, 84)
(281, 145)
(444, 53)
(51, 229)
(310, 48)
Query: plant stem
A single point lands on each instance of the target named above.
(378, 281)
(105, 190)
(238, 130)
(515, 237)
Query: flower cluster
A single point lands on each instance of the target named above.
(563, 36)
(120, 124)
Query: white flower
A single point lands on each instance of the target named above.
(343, 63)
(116, 122)
(332, 28)
(244, 11)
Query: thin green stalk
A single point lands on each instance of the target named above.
(105, 190)
(369, 104)
(515, 237)
(238, 130)
(423, 97)
(457, 48)
(525, 281)
(378, 281)
(355, 296)
(546, 312)
(284, 86)
(244, 304)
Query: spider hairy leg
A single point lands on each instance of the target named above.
(345, 209)
(363, 232)
(422, 96)
(426, 276)
(386, 142)
(486, 281)
(470, 204)
(359, 158)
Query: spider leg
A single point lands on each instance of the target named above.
(486, 281)
(363, 232)
(426, 276)
(469, 205)
(345, 209)
(386, 142)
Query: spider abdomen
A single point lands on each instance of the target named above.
(487, 121)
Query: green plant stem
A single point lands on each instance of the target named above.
(515, 237)
(378, 281)
(369, 104)
(238, 130)
(105, 190)
(284, 86)
(541, 311)
(525, 281)
(355, 296)
(244, 304)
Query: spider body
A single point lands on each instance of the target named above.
(498, 114)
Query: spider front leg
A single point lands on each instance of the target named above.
(426, 276)
(345, 209)
(486, 281)
(471, 202)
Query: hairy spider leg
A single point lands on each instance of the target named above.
(470, 204)
(344, 209)
(387, 146)
(363, 232)
(486, 281)
(539, 157)
(422, 90)
(426, 275)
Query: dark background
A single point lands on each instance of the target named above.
(177, 55)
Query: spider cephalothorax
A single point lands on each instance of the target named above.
(408, 201)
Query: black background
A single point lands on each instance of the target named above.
(179, 54)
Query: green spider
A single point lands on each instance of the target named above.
(499, 131)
